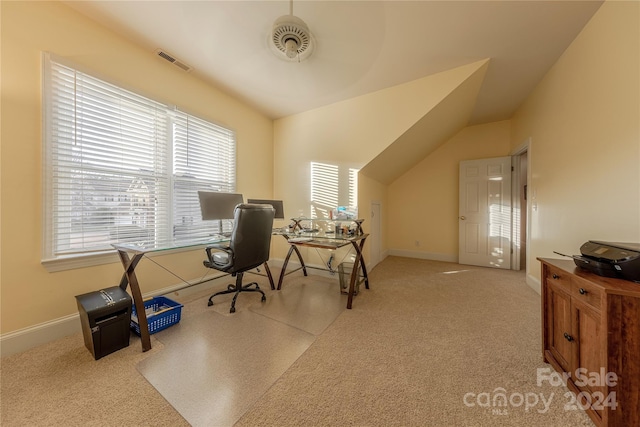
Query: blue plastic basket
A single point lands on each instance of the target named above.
(161, 313)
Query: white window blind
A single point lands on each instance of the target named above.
(324, 189)
(353, 189)
(120, 167)
(203, 159)
(332, 186)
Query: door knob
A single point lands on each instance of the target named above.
(463, 217)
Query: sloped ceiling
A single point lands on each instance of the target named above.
(439, 124)
(362, 46)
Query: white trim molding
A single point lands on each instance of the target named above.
(534, 283)
(424, 255)
(24, 339)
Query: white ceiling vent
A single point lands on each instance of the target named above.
(166, 56)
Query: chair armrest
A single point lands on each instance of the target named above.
(222, 246)
(211, 263)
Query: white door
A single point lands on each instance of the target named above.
(485, 212)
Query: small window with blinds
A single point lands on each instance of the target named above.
(119, 167)
(353, 189)
(324, 189)
(332, 186)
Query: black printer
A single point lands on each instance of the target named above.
(610, 259)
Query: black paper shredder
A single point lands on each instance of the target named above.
(105, 316)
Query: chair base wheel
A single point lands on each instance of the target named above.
(237, 289)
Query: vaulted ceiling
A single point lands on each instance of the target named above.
(361, 46)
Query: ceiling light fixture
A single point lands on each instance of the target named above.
(290, 38)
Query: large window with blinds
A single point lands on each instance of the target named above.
(120, 167)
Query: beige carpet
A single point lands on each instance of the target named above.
(60, 384)
(430, 344)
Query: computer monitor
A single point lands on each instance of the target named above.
(218, 205)
(277, 205)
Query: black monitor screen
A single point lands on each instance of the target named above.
(218, 205)
(277, 205)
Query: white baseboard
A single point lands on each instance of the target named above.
(24, 339)
(424, 255)
(534, 283)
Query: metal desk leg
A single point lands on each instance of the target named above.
(304, 267)
(129, 279)
(266, 267)
(292, 248)
(354, 272)
(364, 268)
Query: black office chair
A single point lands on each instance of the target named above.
(248, 248)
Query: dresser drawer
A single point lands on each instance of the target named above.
(558, 277)
(586, 292)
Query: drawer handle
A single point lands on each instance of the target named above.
(568, 337)
(555, 276)
(582, 291)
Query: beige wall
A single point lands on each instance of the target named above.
(584, 124)
(423, 203)
(351, 133)
(583, 121)
(30, 294)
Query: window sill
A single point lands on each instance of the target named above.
(72, 262)
(80, 261)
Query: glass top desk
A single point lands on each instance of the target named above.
(130, 255)
(325, 240)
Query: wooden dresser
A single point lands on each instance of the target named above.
(591, 331)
